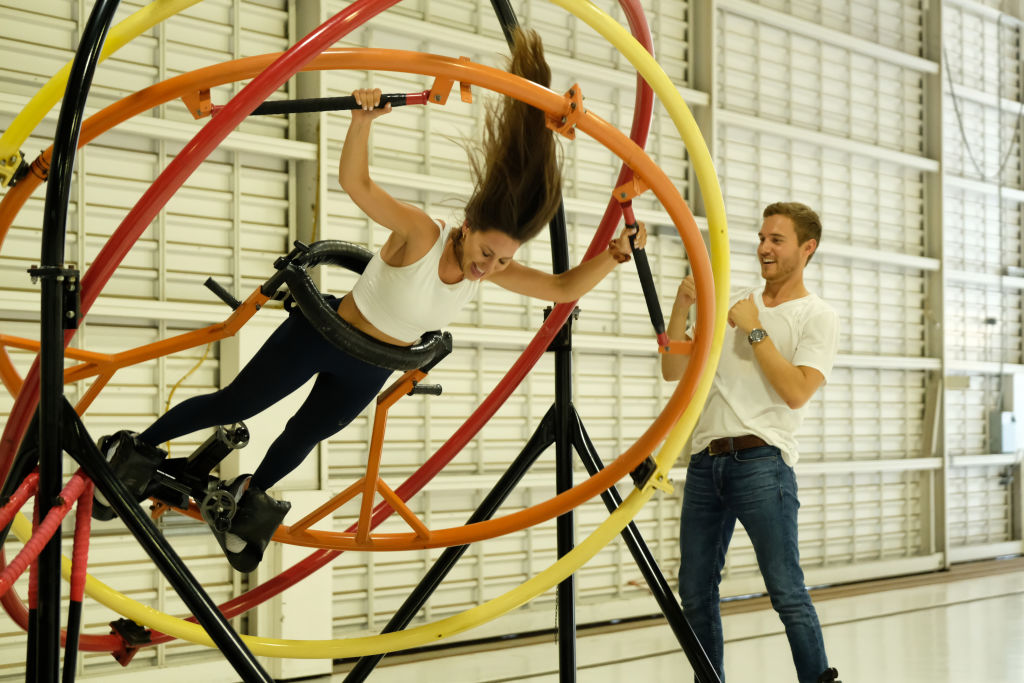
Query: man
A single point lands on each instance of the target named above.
(778, 351)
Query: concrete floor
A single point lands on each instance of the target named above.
(967, 631)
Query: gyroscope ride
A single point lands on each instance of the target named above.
(31, 465)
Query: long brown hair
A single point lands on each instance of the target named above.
(518, 183)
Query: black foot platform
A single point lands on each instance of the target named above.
(242, 517)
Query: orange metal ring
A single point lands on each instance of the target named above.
(521, 89)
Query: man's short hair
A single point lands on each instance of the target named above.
(805, 221)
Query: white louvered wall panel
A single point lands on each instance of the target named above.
(982, 243)
(779, 87)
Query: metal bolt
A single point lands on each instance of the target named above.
(69, 314)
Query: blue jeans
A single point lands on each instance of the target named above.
(757, 487)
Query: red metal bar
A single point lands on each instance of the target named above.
(42, 534)
(80, 553)
(22, 494)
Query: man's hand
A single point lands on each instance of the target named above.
(686, 295)
(744, 315)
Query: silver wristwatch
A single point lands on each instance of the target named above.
(757, 334)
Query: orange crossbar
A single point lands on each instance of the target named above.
(103, 366)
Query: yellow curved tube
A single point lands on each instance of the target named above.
(564, 567)
(42, 102)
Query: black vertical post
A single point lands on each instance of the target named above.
(52, 325)
(645, 561)
(71, 642)
(566, 594)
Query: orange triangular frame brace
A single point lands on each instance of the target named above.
(371, 484)
(566, 123)
(102, 366)
(198, 103)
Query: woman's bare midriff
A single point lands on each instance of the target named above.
(351, 314)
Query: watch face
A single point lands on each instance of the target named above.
(756, 335)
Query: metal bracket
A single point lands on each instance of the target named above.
(12, 169)
(630, 189)
(566, 123)
(647, 475)
(132, 635)
(198, 103)
(71, 294)
(442, 87)
(642, 474)
(282, 264)
(563, 339)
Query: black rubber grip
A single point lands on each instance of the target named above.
(643, 269)
(315, 104)
(222, 294)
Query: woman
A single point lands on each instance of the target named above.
(418, 281)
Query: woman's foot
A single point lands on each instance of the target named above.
(248, 532)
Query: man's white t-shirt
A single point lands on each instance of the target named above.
(741, 401)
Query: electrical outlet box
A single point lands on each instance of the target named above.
(1002, 431)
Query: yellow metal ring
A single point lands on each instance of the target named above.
(610, 528)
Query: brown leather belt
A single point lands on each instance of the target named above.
(729, 444)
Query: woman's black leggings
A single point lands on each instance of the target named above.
(293, 353)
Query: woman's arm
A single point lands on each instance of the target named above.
(407, 221)
(573, 283)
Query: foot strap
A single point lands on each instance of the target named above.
(133, 462)
(255, 519)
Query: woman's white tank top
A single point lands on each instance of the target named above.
(405, 301)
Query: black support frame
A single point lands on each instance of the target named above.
(563, 427)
